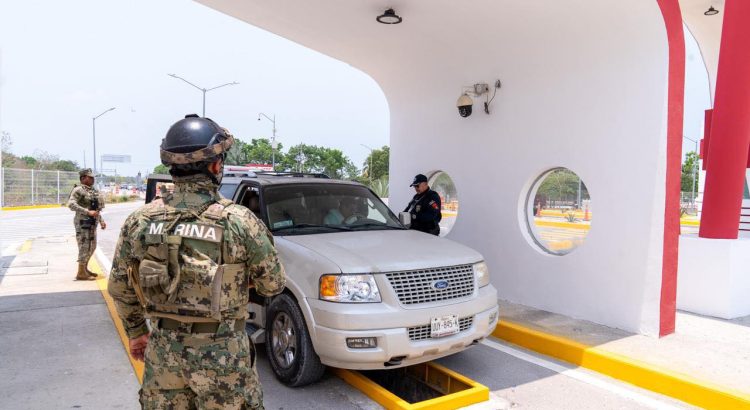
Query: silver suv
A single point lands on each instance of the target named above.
(363, 292)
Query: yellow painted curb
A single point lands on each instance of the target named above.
(25, 207)
(25, 247)
(477, 392)
(645, 375)
(102, 282)
(690, 223)
(569, 225)
(577, 213)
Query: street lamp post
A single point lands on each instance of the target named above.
(273, 138)
(204, 90)
(369, 170)
(301, 158)
(695, 166)
(93, 128)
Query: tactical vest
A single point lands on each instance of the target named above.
(181, 274)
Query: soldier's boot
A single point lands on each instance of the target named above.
(81, 274)
(90, 273)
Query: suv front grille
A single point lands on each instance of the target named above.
(418, 286)
(424, 332)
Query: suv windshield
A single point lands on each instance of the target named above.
(317, 208)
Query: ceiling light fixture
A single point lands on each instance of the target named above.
(711, 11)
(389, 17)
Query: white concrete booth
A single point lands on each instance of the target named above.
(585, 85)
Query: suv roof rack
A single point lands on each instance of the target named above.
(292, 174)
(238, 171)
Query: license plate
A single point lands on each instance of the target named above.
(444, 326)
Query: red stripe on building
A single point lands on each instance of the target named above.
(670, 10)
(730, 128)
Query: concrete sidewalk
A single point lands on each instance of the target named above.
(710, 352)
(58, 347)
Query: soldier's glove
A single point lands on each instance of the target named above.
(138, 347)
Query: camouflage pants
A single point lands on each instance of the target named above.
(203, 371)
(86, 239)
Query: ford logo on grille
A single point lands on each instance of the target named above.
(440, 284)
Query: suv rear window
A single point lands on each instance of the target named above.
(227, 190)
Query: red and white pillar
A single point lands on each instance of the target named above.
(729, 141)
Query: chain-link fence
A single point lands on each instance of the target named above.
(689, 203)
(35, 187)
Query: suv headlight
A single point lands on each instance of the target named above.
(482, 274)
(349, 288)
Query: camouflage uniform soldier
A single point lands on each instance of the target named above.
(187, 261)
(86, 202)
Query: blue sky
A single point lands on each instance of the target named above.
(65, 62)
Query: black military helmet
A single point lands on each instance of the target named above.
(193, 140)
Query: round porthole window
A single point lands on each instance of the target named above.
(558, 211)
(441, 183)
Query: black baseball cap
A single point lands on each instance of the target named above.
(418, 179)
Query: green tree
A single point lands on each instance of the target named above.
(689, 167)
(236, 154)
(260, 151)
(161, 169)
(65, 165)
(6, 142)
(29, 161)
(379, 159)
(314, 159)
(562, 185)
(380, 187)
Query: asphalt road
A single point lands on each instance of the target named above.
(518, 379)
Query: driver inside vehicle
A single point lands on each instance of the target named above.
(347, 213)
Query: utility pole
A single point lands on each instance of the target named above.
(203, 90)
(273, 138)
(695, 167)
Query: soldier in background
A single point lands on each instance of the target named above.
(87, 204)
(186, 262)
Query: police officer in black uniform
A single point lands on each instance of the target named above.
(424, 207)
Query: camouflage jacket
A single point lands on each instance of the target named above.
(80, 202)
(245, 241)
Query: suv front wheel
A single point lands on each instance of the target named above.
(288, 344)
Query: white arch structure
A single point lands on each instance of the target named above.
(589, 85)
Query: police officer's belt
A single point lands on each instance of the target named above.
(197, 327)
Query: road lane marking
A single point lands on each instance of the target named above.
(580, 376)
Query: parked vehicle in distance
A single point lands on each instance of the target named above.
(363, 292)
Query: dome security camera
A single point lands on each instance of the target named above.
(464, 104)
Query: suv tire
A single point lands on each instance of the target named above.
(288, 345)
